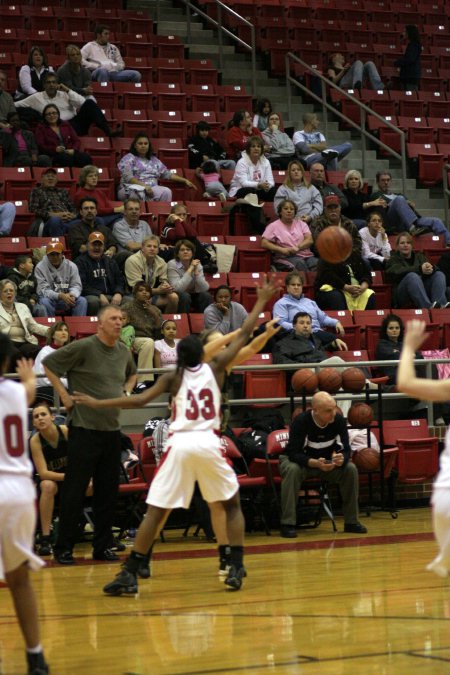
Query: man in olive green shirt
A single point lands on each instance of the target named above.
(103, 367)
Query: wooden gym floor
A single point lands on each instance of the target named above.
(321, 604)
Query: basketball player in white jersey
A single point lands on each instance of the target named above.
(430, 390)
(17, 502)
(193, 449)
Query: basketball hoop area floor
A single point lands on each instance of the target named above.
(320, 604)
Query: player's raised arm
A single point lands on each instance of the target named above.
(407, 380)
(28, 378)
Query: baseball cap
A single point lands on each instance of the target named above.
(48, 170)
(54, 247)
(96, 236)
(331, 200)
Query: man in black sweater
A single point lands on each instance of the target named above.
(319, 448)
(202, 147)
(301, 345)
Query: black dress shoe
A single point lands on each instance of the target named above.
(288, 531)
(356, 528)
(107, 554)
(65, 558)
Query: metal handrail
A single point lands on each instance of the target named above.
(364, 110)
(446, 191)
(222, 30)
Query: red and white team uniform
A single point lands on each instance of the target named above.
(17, 490)
(193, 447)
(441, 512)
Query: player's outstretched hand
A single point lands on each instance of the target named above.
(77, 397)
(272, 328)
(415, 334)
(25, 370)
(267, 288)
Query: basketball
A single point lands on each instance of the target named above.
(367, 459)
(353, 380)
(360, 415)
(305, 380)
(330, 380)
(334, 244)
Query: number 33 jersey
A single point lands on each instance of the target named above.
(196, 406)
(14, 458)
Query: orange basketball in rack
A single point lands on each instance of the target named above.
(353, 380)
(367, 459)
(330, 380)
(305, 380)
(334, 244)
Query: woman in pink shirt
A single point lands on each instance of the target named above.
(289, 239)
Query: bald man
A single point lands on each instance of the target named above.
(318, 447)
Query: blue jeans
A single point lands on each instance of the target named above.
(7, 215)
(358, 71)
(58, 307)
(331, 164)
(420, 291)
(402, 217)
(103, 75)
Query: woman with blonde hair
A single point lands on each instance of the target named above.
(359, 202)
(297, 189)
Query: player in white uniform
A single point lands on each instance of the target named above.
(193, 449)
(439, 391)
(17, 502)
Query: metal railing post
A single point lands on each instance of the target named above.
(188, 23)
(253, 55)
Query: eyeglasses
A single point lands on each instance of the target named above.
(48, 114)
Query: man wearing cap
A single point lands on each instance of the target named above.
(78, 235)
(318, 179)
(52, 205)
(59, 284)
(101, 279)
(332, 216)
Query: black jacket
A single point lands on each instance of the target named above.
(339, 275)
(199, 146)
(295, 348)
(99, 276)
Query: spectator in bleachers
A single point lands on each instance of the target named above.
(59, 284)
(72, 73)
(253, 173)
(130, 231)
(102, 282)
(400, 213)
(73, 108)
(6, 102)
(185, 275)
(22, 275)
(209, 174)
(294, 301)
(140, 171)
(389, 345)
(302, 345)
(239, 132)
(88, 180)
(104, 59)
(306, 197)
(31, 76)
(59, 140)
(263, 110)
(332, 216)
(202, 147)
(19, 145)
(344, 285)
(7, 215)
(52, 204)
(352, 75)
(415, 281)
(282, 149)
(224, 315)
(410, 63)
(78, 234)
(444, 266)
(146, 320)
(289, 239)
(57, 336)
(358, 202)
(376, 248)
(318, 179)
(166, 348)
(16, 322)
(311, 145)
(146, 265)
(178, 226)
